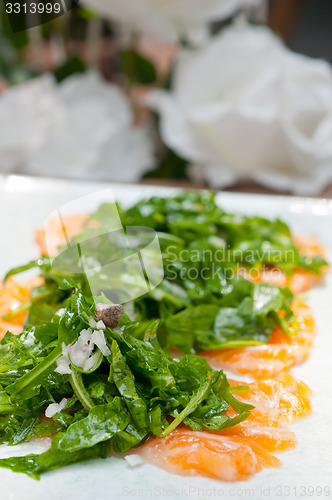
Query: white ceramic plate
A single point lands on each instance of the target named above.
(306, 470)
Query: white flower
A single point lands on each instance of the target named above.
(245, 106)
(81, 128)
(167, 19)
(24, 118)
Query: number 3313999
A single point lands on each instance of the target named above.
(33, 8)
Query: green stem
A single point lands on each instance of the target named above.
(191, 406)
(129, 64)
(12, 410)
(283, 324)
(24, 307)
(35, 375)
(80, 391)
(239, 388)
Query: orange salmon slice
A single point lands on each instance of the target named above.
(271, 359)
(284, 398)
(300, 280)
(190, 453)
(12, 296)
(239, 452)
(57, 235)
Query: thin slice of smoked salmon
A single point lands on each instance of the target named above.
(300, 280)
(278, 355)
(12, 296)
(192, 453)
(308, 246)
(284, 398)
(264, 432)
(236, 453)
(58, 234)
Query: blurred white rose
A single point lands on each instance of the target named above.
(81, 128)
(245, 106)
(167, 19)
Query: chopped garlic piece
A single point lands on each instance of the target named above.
(81, 353)
(92, 323)
(98, 338)
(134, 460)
(100, 325)
(55, 408)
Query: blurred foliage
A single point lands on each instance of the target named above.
(86, 13)
(17, 40)
(11, 68)
(137, 68)
(169, 166)
(71, 66)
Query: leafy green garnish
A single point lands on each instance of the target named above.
(135, 392)
(201, 303)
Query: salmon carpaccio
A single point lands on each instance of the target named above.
(12, 296)
(262, 361)
(58, 234)
(279, 354)
(233, 454)
(300, 280)
(237, 453)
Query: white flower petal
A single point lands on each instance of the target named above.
(263, 113)
(167, 19)
(80, 128)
